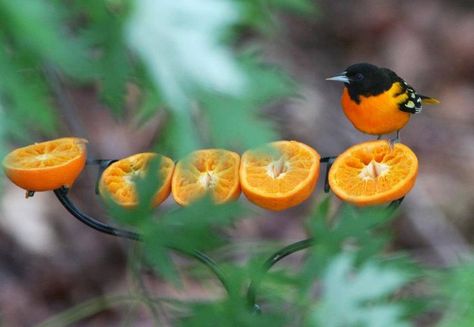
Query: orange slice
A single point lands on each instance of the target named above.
(118, 180)
(47, 165)
(373, 173)
(212, 170)
(281, 176)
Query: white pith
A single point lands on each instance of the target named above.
(208, 180)
(374, 170)
(130, 178)
(43, 157)
(278, 168)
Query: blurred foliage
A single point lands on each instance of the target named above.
(455, 296)
(189, 60)
(350, 298)
(262, 15)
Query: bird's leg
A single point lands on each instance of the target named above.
(379, 137)
(395, 140)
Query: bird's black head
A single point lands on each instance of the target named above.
(365, 79)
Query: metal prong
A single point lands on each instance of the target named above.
(29, 194)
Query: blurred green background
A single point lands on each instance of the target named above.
(131, 76)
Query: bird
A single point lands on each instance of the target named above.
(377, 101)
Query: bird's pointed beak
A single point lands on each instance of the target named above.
(339, 78)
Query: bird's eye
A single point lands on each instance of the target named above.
(359, 77)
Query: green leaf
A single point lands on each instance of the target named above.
(24, 96)
(302, 7)
(354, 298)
(162, 33)
(261, 14)
(179, 137)
(114, 76)
(151, 101)
(36, 27)
(3, 134)
(236, 121)
(185, 230)
(353, 230)
(321, 212)
(236, 127)
(191, 227)
(147, 183)
(454, 287)
(104, 32)
(157, 250)
(231, 312)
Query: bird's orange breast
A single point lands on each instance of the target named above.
(377, 114)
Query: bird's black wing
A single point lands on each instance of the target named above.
(413, 103)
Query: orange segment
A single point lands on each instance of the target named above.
(118, 179)
(373, 173)
(47, 165)
(213, 170)
(279, 177)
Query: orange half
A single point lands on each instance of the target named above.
(373, 173)
(118, 180)
(47, 165)
(213, 171)
(280, 176)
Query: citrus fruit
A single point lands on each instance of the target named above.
(213, 171)
(118, 180)
(47, 165)
(373, 173)
(280, 175)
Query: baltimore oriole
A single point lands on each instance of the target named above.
(377, 101)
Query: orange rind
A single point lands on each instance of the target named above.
(118, 180)
(280, 175)
(373, 173)
(209, 171)
(47, 165)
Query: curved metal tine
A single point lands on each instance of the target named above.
(269, 263)
(286, 251)
(329, 163)
(103, 164)
(327, 159)
(395, 204)
(61, 194)
(207, 261)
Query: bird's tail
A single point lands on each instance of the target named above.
(428, 100)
